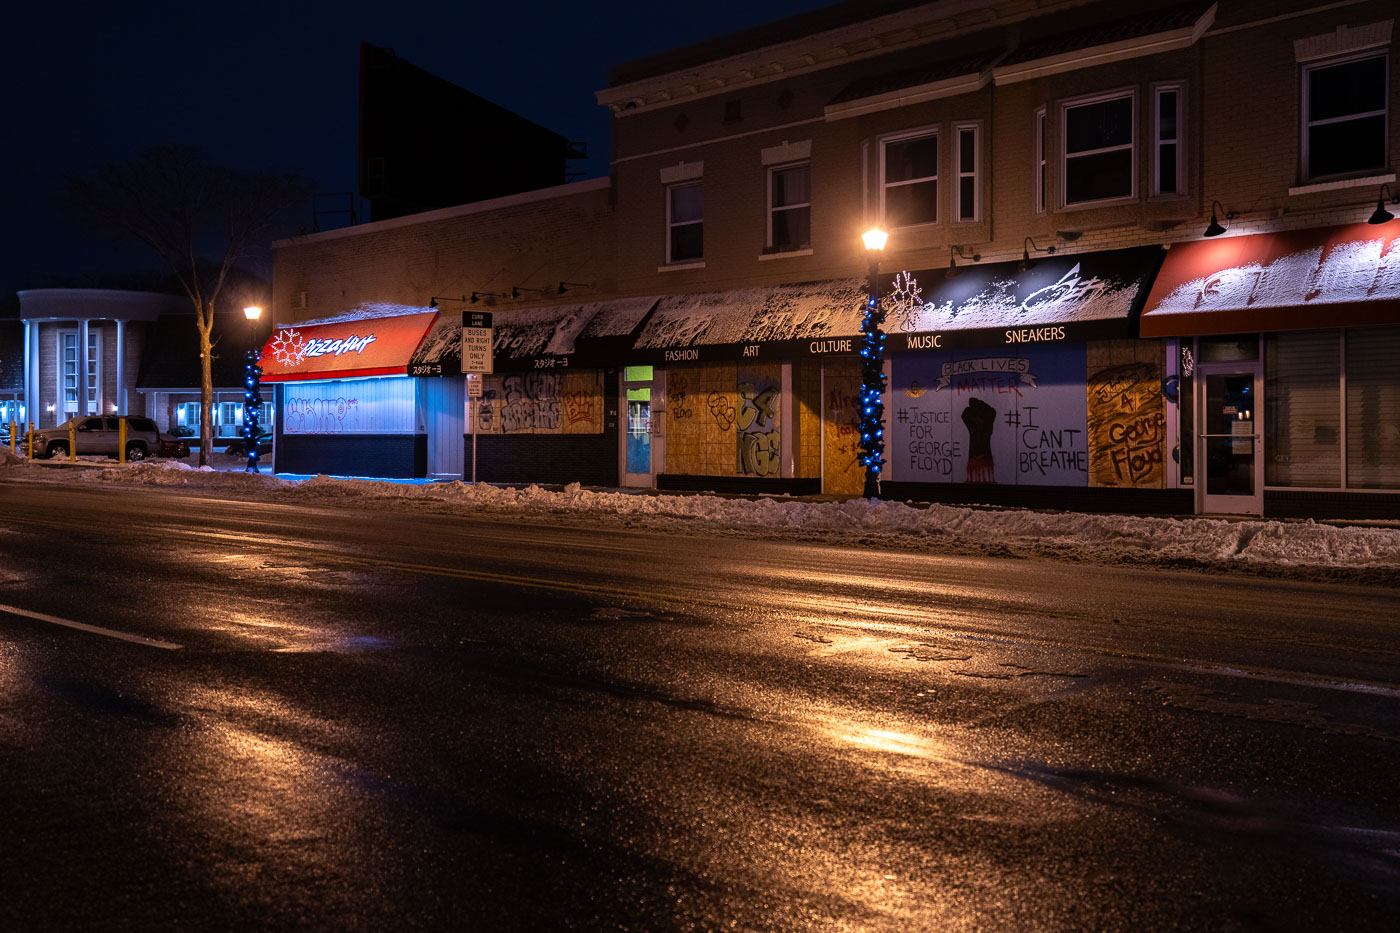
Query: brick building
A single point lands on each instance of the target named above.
(1061, 329)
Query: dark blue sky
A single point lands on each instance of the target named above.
(273, 84)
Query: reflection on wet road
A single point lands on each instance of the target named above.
(409, 720)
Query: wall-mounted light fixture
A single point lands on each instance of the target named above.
(515, 290)
(954, 251)
(433, 301)
(1215, 229)
(1382, 215)
(488, 297)
(565, 286)
(1027, 263)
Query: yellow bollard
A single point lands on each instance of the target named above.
(31, 440)
(121, 440)
(13, 427)
(73, 441)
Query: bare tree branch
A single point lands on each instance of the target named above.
(199, 218)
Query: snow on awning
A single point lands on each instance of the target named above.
(1088, 296)
(1344, 276)
(777, 322)
(350, 347)
(592, 335)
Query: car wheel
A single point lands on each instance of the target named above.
(135, 452)
(57, 449)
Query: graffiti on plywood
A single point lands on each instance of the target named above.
(1127, 426)
(757, 422)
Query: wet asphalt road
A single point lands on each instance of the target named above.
(350, 720)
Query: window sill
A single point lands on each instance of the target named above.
(785, 254)
(1096, 205)
(1366, 182)
(678, 266)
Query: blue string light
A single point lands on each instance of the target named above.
(252, 408)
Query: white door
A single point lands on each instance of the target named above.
(1229, 452)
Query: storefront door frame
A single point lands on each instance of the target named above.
(1229, 462)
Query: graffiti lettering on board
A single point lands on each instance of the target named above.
(721, 410)
(1127, 426)
(580, 407)
(681, 401)
(757, 421)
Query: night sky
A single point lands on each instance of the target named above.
(273, 84)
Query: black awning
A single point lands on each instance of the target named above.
(561, 336)
(1085, 296)
(774, 322)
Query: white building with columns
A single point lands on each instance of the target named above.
(60, 380)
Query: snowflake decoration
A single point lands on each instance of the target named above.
(905, 300)
(289, 347)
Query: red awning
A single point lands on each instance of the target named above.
(380, 346)
(1301, 279)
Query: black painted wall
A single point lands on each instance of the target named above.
(399, 456)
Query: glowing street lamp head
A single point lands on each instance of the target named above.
(874, 238)
(252, 312)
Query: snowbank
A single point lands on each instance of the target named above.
(1298, 549)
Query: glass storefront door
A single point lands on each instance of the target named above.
(1230, 465)
(638, 384)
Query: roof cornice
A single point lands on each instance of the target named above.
(931, 22)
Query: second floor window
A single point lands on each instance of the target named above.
(909, 180)
(1041, 161)
(790, 208)
(1167, 165)
(1345, 116)
(969, 194)
(1100, 163)
(685, 223)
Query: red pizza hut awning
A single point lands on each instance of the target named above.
(379, 346)
(1302, 279)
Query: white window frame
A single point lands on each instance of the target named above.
(1306, 106)
(94, 374)
(960, 172)
(772, 171)
(1179, 89)
(671, 224)
(1065, 107)
(1042, 159)
(924, 132)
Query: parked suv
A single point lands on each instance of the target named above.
(102, 435)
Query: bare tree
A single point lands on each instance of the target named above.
(200, 218)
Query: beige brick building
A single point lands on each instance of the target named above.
(1093, 141)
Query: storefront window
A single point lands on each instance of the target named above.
(1373, 408)
(1302, 398)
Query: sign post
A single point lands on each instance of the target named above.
(477, 359)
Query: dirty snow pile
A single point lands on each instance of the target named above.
(1300, 549)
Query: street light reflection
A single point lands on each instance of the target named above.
(897, 743)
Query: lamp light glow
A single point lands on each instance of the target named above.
(875, 238)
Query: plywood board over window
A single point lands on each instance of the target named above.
(541, 403)
(842, 474)
(1126, 415)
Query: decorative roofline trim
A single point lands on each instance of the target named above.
(904, 97)
(943, 19)
(1152, 44)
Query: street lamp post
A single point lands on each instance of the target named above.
(252, 401)
(872, 389)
